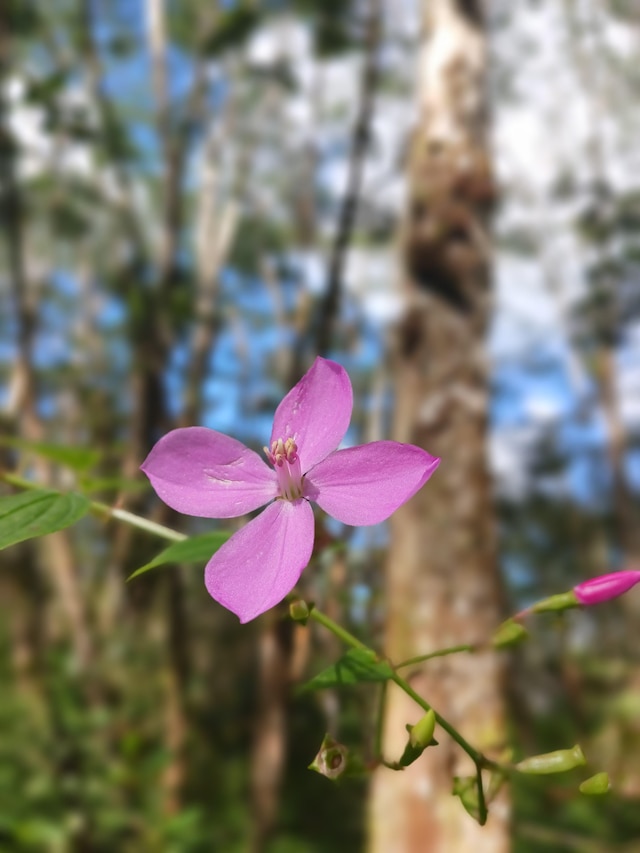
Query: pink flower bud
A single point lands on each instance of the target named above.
(605, 587)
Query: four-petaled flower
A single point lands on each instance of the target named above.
(198, 471)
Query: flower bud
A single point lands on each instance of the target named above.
(508, 634)
(606, 587)
(299, 610)
(420, 737)
(553, 762)
(421, 734)
(562, 601)
(598, 784)
(331, 760)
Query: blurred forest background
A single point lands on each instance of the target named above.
(196, 199)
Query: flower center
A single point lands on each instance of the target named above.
(284, 458)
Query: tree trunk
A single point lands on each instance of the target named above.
(442, 581)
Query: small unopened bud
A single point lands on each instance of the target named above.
(331, 760)
(594, 785)
(553, 762)
(605, 587)
(299, 610)
(420, 737)
(508, 634)
(421, 734)
(562, 601)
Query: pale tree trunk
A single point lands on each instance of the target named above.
(443, 585)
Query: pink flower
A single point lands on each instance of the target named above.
(199, 471)
(605, 587)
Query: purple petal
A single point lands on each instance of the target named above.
(316, 412)
(365, 484)
(199, 471)
(262, 562)
(606, 587)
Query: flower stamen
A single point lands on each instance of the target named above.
(283, 455)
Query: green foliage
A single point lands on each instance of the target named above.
(31, 514)
(78, 773)
(21, 17)
(354, 667)
(196, 549)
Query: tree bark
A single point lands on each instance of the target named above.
(442, 580)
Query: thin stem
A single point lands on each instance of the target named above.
(101, 509)
(477, 757)
(137, 521)
(482, 802)
(452, 650)
(338, 630)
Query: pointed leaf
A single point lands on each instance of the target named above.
(196, 549)
(357, 665)
(37, 513)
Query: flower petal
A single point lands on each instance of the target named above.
(316, 412)
(365, 484)
(605, 587)
(199, 471)
(262, 562)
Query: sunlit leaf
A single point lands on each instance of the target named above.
(196, 549)
(37, 513)
(357, 665)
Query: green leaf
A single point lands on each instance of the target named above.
(37, 513)
(357, 665)
(78, 458)
(196, 549)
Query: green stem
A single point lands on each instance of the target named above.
(482, 802)
(452, 650)
(338, 630)
(477, 757)
(137, 521)
(101, 509)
